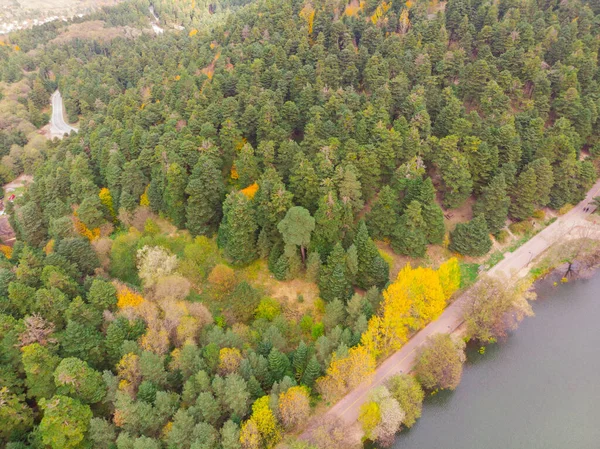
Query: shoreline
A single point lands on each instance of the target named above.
(582, 265)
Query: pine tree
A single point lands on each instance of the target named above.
(328, 224)
(205, 189)
(312, 371)
(494, 203)
(304, 182)
(453, 167)
(432, 213)
(156, 190)
(175, 194)
(237, 233)
(373, 270)
(383, 216)
(544, 180)
(410, 237)
(279, 364)
(300, 360)
(333, 281)
(472, 238)
(524, 198)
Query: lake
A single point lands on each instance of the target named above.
(539, 389)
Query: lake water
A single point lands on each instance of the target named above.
(539, 389)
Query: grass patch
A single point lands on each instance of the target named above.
(387, 257)
(468, 274)
(494, 259)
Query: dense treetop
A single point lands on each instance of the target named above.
(291, 133)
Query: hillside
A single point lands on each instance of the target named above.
(266, 200)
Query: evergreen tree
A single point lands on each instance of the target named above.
(410, 237)
(432, 213)
(455, 173)
(175, 194)
(205, 192)
(494, 203)
(30, 223)
(383, 216)
(237, 233)
(524, 198)
(544, 180)
(333, 281)
(373, 270)
(328, 224)
(472, 238)
(304, 182)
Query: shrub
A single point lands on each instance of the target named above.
(566, 208)
(539, 214)
(268, 308)
(521, 227)
(501, 236)
(222, 280)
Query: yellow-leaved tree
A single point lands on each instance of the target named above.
(261, 430)
(346, 373)
(449, 273)
(107, 201)
(389, 330)
(423, 287)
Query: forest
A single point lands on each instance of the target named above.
(262, 144)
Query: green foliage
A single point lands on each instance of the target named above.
(493, 204)
(237, 233)
(373, 270)
(472, 238)
(409, 237)
(407, 391)
(65, 422)
(333, 280)
(75, 378)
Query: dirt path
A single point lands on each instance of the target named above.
(517, 262)
(7, 235)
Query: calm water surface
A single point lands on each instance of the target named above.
(540, 389)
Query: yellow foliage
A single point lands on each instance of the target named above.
(128, 298)
(353, 8)
(308, 14)
(417, 297)
(370, 417)
(294, 406)
(49, 247)
(212, 45)
(193, 32)
(389, 330)
(425, 292)
(262, 426)
(250, 191)
(234, 173)
(380, 12)
(409, 4)
(346, 373)
(240, 144)
(17, 48)
(229, 360)
(449, 273)
(144, 200)
(83, 230)
(404, 21)
(7, 250)
(167, 429)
